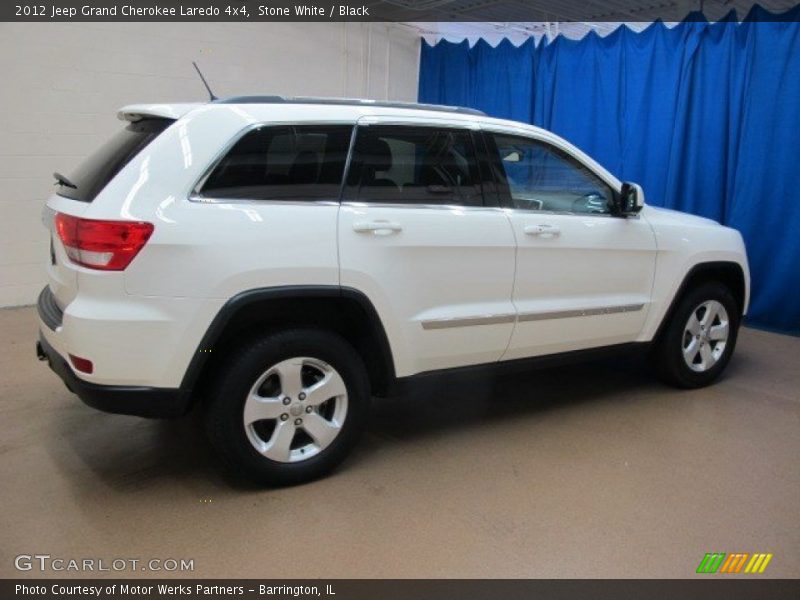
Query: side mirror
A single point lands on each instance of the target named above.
(630, 200)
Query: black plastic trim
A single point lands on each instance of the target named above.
(139, 401)
(487, 156)
(535, 362)
(243, 299)
(49, 312)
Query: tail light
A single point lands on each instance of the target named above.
(103, 245)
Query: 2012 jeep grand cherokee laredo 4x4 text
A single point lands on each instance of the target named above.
(279, 261)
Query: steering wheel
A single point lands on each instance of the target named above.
(589, 203)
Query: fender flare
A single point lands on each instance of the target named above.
(291, 292)
(684, 285)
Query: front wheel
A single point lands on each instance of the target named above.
(700, 338)
(288, 407)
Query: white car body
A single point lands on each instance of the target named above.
(452, 286)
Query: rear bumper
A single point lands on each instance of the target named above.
(125, 400)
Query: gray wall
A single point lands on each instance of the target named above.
(61, 84)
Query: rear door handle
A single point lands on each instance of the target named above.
(377, 227)
(542, 229)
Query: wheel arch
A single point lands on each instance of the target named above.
(343, 310)
(729, 273)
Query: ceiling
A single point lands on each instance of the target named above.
(516, 32)
(493, 20)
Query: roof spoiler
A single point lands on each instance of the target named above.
(137, 112)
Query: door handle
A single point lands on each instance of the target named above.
(542, 229)
(377, 227)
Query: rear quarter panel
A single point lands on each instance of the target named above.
(154, 314)
(214, 250)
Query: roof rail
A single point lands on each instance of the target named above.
(347, 102)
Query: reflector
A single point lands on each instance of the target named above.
(84, 365)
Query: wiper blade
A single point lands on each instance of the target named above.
(61, 180)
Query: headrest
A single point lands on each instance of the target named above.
(376, 153)
(439, 147)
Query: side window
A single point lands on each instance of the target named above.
(542, 177)
(300, 162)
(414, 165)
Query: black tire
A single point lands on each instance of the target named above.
(224, 409)
(668, 357)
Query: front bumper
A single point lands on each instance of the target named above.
(125, 400)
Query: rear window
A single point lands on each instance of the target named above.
(96, 171)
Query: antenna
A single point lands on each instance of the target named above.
(205, 83)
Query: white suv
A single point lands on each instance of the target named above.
(281, 260)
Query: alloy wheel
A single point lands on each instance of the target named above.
(295, 409)
(705, 336)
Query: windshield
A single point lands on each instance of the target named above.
(96, 171)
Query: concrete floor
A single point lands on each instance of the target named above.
(588, 471)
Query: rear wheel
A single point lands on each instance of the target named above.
(288, 407)
(700, 338)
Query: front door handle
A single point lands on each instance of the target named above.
(542, 229)
(377, 227)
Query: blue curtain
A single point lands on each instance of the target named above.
(705, 116)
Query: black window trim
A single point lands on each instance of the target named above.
(348, 198)
(502, 190)
(194, 193)
(490, 184)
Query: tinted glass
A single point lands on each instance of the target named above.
(101, 167)
(542, 177)
(415, 165)
(283, 163)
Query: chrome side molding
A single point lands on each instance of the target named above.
(579, 312)
(524, 317)
(468, 321)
